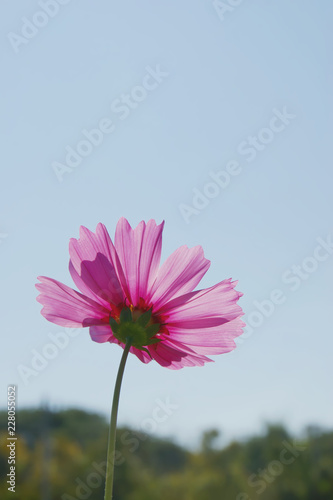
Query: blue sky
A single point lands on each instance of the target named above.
(183, 93)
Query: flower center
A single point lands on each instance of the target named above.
(135, 326)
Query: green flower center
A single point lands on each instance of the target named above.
(135, 326)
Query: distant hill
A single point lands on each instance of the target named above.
(61, 456)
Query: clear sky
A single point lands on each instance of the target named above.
(216, 119)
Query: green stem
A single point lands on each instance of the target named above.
(113, 426)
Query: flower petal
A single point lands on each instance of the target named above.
(66, 307)
(93, 265)
(139, 251)
(174, 355)
(207, 321)
(84, 288)
(179, 274)
(103, 333)
(142, 355)
(208, 307)
(211, 341)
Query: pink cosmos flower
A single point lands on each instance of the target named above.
(123, 282)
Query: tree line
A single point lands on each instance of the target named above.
(61, 456)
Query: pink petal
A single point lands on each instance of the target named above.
(211, 341)
(111, 252)
(66, 307)
(174, 355)
(103, 333)
(179, 274)
(207, 321)
(139, 251)
(93, 266)
(84, 288)
(142, 355)
(209, 307)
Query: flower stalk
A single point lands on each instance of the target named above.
(113, 425)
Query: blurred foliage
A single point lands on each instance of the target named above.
(61, 456)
